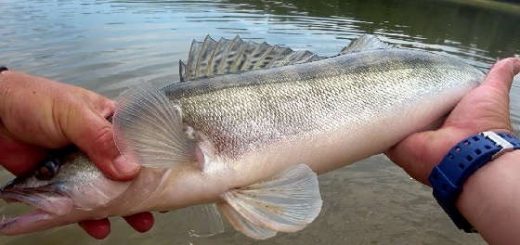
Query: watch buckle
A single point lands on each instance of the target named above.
(499, 141)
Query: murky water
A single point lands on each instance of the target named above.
(108, 46)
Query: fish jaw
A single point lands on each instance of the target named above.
(78, 191)
(49, 211)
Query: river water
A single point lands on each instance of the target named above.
(108, 46)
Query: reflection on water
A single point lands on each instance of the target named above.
(108, 46)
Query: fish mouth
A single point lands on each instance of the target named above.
(46, 207)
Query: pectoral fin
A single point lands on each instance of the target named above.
(148, 129)
(288, 203)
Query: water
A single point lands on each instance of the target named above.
(108, 46)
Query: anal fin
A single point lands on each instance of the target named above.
(287, 203)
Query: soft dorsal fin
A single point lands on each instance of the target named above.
(364, 43)
(182, 71)
(210, 58)
(288, 203)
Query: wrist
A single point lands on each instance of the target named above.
(490, 199)
(449, 177)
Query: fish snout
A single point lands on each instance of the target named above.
(47, 205)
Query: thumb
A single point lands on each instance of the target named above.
(502, 73)
(93, 134)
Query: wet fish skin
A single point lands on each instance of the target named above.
(324, 95)
(250, 126)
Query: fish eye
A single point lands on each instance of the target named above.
(48, 169)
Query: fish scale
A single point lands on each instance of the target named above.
(248, 110)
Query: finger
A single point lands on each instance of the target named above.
(98, 229)
(100, 105)
(141, 222)
(502, 73)
(17, 157)
(97, 141)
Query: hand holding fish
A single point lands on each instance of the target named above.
(494, 187)
(38, 114)
(485, 108)
(245, 133)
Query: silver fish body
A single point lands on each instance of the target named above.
(241, 113)
(223, 138)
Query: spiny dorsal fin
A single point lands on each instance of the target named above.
(288, 203)
(365, 42)
(210, 58)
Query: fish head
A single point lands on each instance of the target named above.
(64, 189)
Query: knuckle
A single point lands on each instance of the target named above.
(103, 139)
(505, 65)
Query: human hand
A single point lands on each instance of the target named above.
(37, 114)
(484, 108)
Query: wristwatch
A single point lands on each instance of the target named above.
(464, 159)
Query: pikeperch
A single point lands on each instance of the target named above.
(246, 131)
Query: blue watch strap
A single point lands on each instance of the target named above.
(448, 177)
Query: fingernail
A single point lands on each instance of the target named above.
(125, 167)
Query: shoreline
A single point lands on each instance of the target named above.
(498, 5)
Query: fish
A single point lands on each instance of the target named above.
(245, 132)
